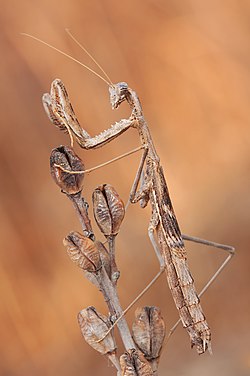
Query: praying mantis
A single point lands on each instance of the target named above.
(163, 230)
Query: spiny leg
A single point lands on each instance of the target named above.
(60, 112)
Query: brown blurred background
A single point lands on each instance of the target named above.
(189, 62)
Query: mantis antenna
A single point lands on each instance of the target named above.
(71, 57)
(87, 52)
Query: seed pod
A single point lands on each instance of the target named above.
(133, 363)
(106, 263)
(109, 209)
(65, 157)
(94, 326)
(83, 252)
(149, 331)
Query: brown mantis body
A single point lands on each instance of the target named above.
(172, 253)
(169, 245)
(164, 231)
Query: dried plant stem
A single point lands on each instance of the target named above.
(113, 358)
(110, 296)
(115, 274)
(81, 207)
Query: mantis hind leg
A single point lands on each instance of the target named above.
(229, 249)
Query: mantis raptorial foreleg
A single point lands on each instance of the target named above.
(61, 114)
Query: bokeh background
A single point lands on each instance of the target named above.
(189, 62)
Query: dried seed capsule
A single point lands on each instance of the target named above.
(94, 326)
(149, 331)
(106, 263)
(109, 209)
(133, 363)
(65, 157)
(83, 252)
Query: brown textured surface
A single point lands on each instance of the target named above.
(189, 63)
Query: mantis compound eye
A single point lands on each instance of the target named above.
(118, 93)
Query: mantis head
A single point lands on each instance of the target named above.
(118, 93)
